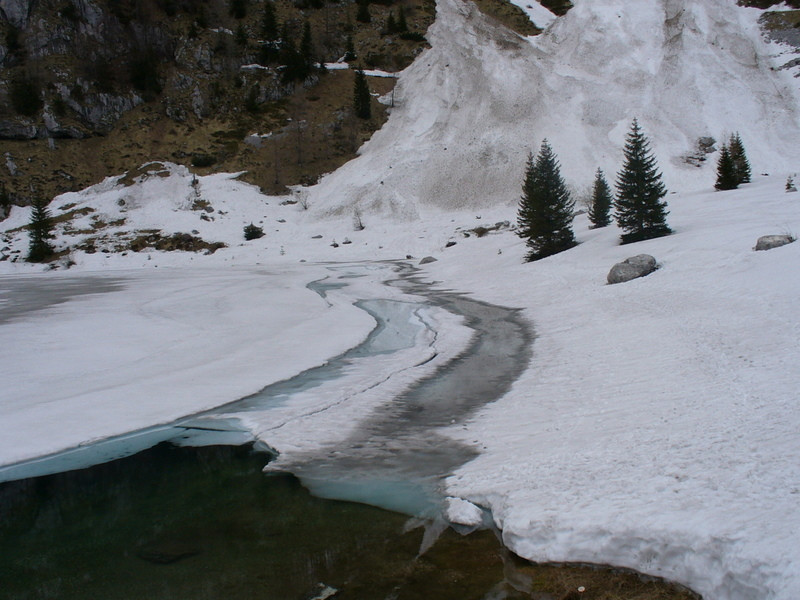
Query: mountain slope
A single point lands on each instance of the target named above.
(469, 109)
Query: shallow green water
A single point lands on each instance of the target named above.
(206, 523)
(195, 523)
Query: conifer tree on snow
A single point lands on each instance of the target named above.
(639, 209)
(39, 231)
(361, 96)
(600, 209)
(726, 171)
(740, 162)
(545, 215)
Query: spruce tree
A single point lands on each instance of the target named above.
(39, 231)
(238, 9)
(362, 13)
(402, 26)
(599, 211)
(269, 22)
(294, 66)
(5, 198)
(639, 209)
(349, 49)
(241, 36)
(391, 25)
(545, 214)
(740, 163)
(361, 96)
(726, 171)
(307, 50)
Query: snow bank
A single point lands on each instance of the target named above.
(657, 425)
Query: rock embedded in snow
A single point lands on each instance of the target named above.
(631, 268)
(768, 242)
(427, 259)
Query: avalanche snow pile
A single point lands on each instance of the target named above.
(469, 109)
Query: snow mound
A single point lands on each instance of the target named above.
(470, 108)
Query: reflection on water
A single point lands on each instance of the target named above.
(205, 523)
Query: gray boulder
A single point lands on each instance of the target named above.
(631, 268)
(768, 242)
(426, 260)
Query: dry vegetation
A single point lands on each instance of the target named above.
(308, 132)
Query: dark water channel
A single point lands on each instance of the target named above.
(199, 523)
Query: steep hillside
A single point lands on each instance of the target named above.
(470, 108)
(97, 87)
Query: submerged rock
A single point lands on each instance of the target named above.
(631, 268)
(768, 242)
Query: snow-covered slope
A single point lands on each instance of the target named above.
(470, 108)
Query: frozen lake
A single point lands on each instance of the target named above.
(394, 456)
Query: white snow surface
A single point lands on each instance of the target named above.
(656, 426)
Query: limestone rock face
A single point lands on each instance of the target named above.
(631, 268)
(17, 129)
(768, 242)
(15, 11)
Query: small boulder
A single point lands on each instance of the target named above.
(631, 268)
(427, 259)
(768, 242)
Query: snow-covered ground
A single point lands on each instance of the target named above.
(656, 427)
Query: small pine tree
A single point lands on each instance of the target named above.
(307, 50)
(269, 22)
(545, 209)
(253, 232)
(391, 25)
(639, 209)
(362, 13)
(5, 197)
(726, 171)
(26, 95)
(241, 36)
(600, 209)
(402, 26)
(349, 49)
(238, 9)
(361, 96)
(739, 157)
(40, 230)
(294, 68)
